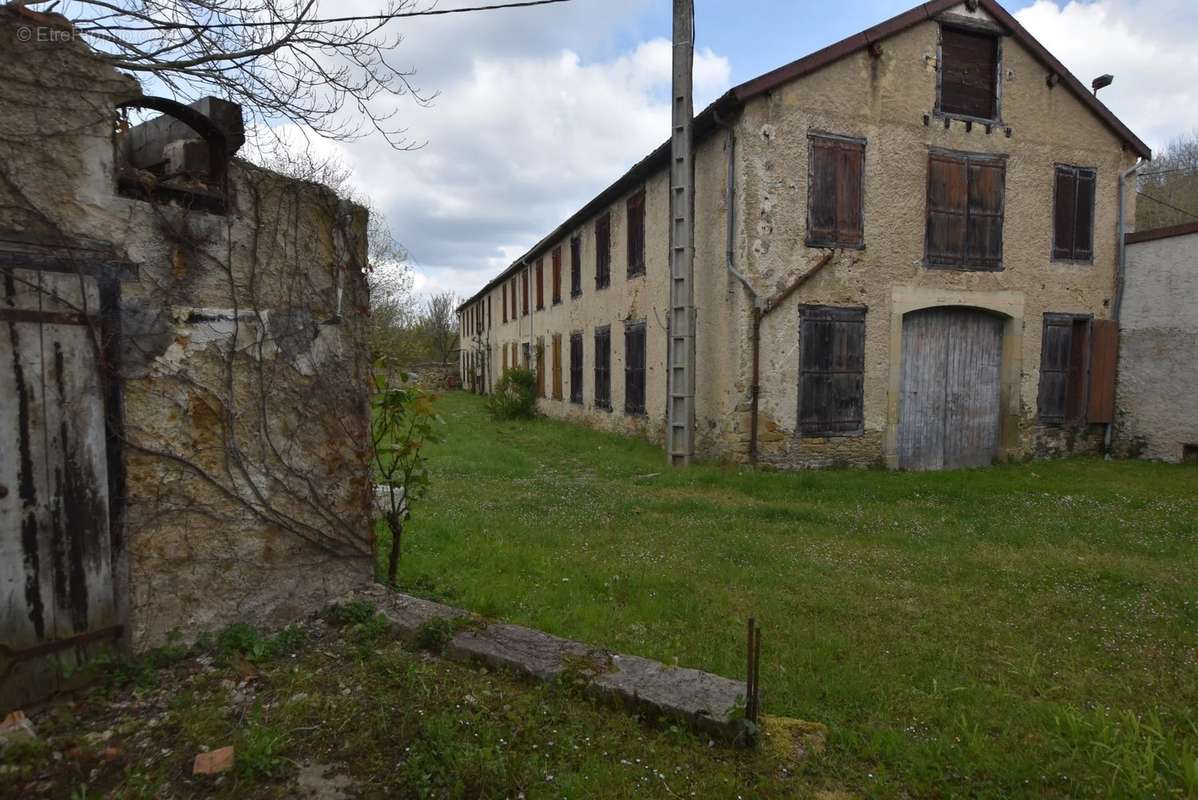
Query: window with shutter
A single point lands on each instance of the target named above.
(831, 371)
(576, 267)
(603, 368)
(504, 288)
(540, 278)
(526, 355)
(636, 234)
(540, 366)
(1073, 214)
(576, 368)
(634, 368)
(966, 204)
(835, 192)
(969, 74)
(524, 292)
(557, 275)
(603, 251)
(1065, 369)
(557, 366)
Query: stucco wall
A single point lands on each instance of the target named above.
(889, 101)
(1158, 356)
(245, 420)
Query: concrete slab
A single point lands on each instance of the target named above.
(706, 702)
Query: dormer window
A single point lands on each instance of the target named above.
(969, 73)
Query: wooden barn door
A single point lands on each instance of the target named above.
(950, 411)
(56, 582)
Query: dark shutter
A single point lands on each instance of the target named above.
(834, 197)
(504, 287)
(540, 366)
(540, 283)
(1104, 352)
(831, 370)
(603, 367)
(966, 204)
(557, 275)
(634, 368)
(524, 297)
(557, 366)
(636, 234)
(948, 203)
(1054, 367)
(1083, 246)
(576, 266)
(983, 246)
(968, 73)
(603, 251)
(1064, 212)
(576, 368)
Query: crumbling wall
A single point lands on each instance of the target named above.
(244, 364)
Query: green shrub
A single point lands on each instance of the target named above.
(515, 395)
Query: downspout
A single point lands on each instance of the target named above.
(1120, 280)
(730, 265)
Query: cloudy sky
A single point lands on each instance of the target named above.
(539, 109)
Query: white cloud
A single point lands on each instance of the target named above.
(1148, 46)
(522, 133)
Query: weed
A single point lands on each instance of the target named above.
(259, 753)
(354, 612)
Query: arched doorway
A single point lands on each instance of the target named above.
(950, 403)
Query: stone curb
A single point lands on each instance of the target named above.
(706, 702)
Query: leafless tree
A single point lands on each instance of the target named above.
(282, 60)
(1169, 186)
(440, 324)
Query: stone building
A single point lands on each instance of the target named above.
(1158, 351)
(888, 233)
(184, 372)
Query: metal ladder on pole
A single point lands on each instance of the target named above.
(680, 436)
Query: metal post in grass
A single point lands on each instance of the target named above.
(752, 681)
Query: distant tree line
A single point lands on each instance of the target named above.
(1169, 186)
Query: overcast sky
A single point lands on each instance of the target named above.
(540, 109)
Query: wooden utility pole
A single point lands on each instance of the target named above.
(681, 412)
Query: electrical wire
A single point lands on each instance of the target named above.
(164, 26)
(1168, 205)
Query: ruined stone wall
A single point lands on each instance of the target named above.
(244, 365)
(1157, 402)
(889, 102)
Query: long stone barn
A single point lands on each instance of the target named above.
(184, 370)
(906, 255)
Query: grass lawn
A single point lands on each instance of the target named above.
(1025, 630)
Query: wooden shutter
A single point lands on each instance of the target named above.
(636, 234)
(557, 275)
(834, 195)
(1104, 353)
(524, 293)
(603, 368)
(603, 251)
(948, 206)
(576, 266)
(1064, 212)
(983, 241)
(968, 73)
(557, 366)
(1054, 367)
(1083, 245)
(634, 368)
(831, 370)
(540, 283)
(540, 366)
(576, 368)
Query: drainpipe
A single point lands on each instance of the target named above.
(730, 265)
(1120, 279)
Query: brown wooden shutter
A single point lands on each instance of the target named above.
(603, 251)
(948, 203)
(576, 266)
(504, 287)
(1104, 353)
(540, 283)
(636, 234)
(831, 370)
(968, 73)
(524, 286)
(850, 160)
(983, 244)
(576, 368)
(1083, 246)
(1054, 367)
(1064, 212)
(557, 366)
(557, 275)
(821, 196)
(540, 366)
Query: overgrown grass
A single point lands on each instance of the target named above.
(1025, 630)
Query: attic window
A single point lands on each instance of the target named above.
(969, 73)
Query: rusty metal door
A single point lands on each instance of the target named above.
(56, 571)
(950, 413)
